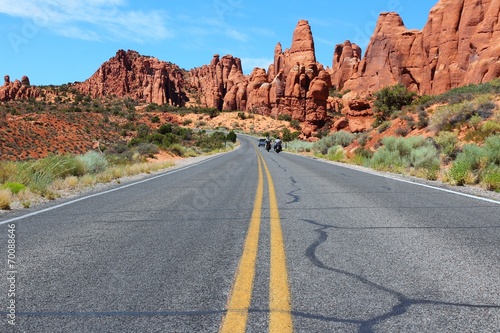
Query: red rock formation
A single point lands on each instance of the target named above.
(295, 84)
(17, 89)
(214, 81)
(346, 60)
(459, 45)
(129, 74)
(302, 49)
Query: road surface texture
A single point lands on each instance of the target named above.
(254, 241)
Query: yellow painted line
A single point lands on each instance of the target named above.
(280, 317)
(239, 302)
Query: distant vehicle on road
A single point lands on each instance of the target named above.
(262, 142)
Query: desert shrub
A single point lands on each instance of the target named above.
(155, 119)
(299, 146)
(165, 128)
(363, 139)
(5, 199)
(143, 131)
(384, 126)
(93, 162)
(60, 166)
(490, 127)
(320, 147)
(426, 158)
(402, 153)
(288, 136)
(155, 138)
(467, 164)
(14, 187)
(285, 117)
(447, 143)
(231, 136)
(390, 100)
(242, 115)
(7, 170)
(364, 153)
(183, 133)
(469, 92)
(341, 138)
(295, 124)
(169, 139)
(490, 177)
(402, 131)
(492, 150)
(449, 116)
(177, 149)
(485, 106)
(385, 159)
(474, 121)
(423, 119)
(335, 153)
(147, 149)
(119, 153)
(38, 181)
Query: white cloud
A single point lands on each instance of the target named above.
(105, 20)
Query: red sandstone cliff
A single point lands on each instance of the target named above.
(459, 45)
(128, 74)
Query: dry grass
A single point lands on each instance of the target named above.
(5, 199)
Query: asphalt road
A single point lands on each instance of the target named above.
(258, 242)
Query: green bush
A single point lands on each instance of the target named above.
(469, 92)
(450, 116)
(299, 146)
(447, 143)
(147, 149)
(402, 153)
(295, 124)
(459, 172)
(177, 149)
(492, 150)
(143, 131)
(231, 136)
(165, 128)
(285, 117)
(491, 178)
(14, 187)
(392, 99)
(335, 153)
(341, 138)
(60, 166)
(169, 139)
(468, 163)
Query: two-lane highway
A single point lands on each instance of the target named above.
(256, 241)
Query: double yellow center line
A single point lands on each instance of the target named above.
(280, 318)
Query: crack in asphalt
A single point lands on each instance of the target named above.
(295, 198)
(367, 326)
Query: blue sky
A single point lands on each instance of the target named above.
(61, 41)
